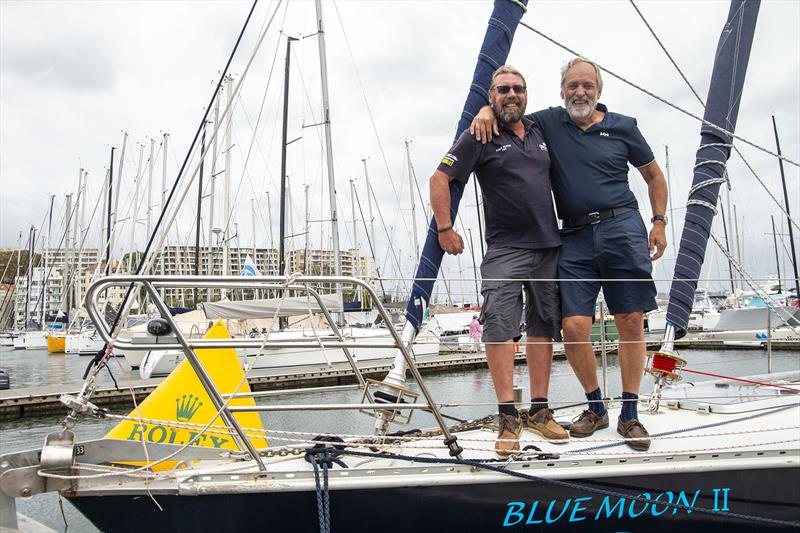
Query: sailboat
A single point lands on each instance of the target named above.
(195, 457)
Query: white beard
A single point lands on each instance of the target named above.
(581, 111)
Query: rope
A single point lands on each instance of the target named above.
(742, 380)
(322, 454)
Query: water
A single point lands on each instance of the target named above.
(471, 389)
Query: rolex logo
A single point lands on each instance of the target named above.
(186, 407)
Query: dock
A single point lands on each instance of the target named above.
(44, 400)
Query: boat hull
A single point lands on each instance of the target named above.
(579, 505)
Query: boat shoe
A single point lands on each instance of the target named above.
(587, 423)
(634, 430)
(543, 423)
(508, 437)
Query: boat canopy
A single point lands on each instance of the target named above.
(267, 308)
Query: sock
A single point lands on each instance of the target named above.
(595, 405)
(537, 404)
(507, 408)
(629, 404)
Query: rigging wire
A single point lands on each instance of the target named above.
(702, 103)
(664, 100)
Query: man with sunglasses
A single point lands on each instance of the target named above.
(522, 234)
(603, 236)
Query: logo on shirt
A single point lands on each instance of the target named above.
(543, 147)
(449, 159)
(503, 148)
(604, 134)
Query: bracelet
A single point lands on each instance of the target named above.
(445, 230)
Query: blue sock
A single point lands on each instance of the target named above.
(629, 403)
(595, 404)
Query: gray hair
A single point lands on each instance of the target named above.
(506, 69)
(580, 59)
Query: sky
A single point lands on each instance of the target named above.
(75, 76)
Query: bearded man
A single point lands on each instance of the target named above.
(603, 236)
(522, 234)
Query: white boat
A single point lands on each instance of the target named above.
(83, 343)
(161, 362)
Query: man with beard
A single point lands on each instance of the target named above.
(603, 236)
(522, 235)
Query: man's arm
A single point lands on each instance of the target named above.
(484, 124)
(450, 241)
(657, 191)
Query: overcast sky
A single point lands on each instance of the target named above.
(75, 75)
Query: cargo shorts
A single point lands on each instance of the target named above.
(506, 273)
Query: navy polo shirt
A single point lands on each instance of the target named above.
(514, 178)
(589, 169)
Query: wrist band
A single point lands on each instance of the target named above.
(443, 230)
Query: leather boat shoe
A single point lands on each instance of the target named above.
(508, 437)
(587, 423)
(543, 423)
(639, 438)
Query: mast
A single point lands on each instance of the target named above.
(777, 256)
(163, 193)
(307, 230)
(271, 234)
(81, 232)
(357, 258)
(226, 193)
(369, 206)
(65, 300)
(197, 255)
(113, 233)
(788, 213)
(213, 186)
(326, 117)
(28, 275)
(151, 164)
(413, 202)
(108, 210)
(135, 210)
(46, 245)
(722, 110)
(284, 144)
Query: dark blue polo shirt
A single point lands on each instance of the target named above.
(589, 169)
(514, 178)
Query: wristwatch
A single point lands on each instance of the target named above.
(662, 218)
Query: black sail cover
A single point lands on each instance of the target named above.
(493, 54)
(722, 109)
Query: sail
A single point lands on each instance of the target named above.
(494, 51)
(722, 109)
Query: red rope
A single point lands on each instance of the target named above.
(740, 379)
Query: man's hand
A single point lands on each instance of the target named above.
(658, 240)
(451, 242)
(484, 124)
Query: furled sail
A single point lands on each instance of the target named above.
(494, 51)
(722, 109)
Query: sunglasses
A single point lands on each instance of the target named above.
(505, 89)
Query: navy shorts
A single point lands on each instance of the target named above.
(615, 248)
(501, 312)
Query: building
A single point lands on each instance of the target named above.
(44, 295)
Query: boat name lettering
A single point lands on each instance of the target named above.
(160, 434)
(609, 507)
